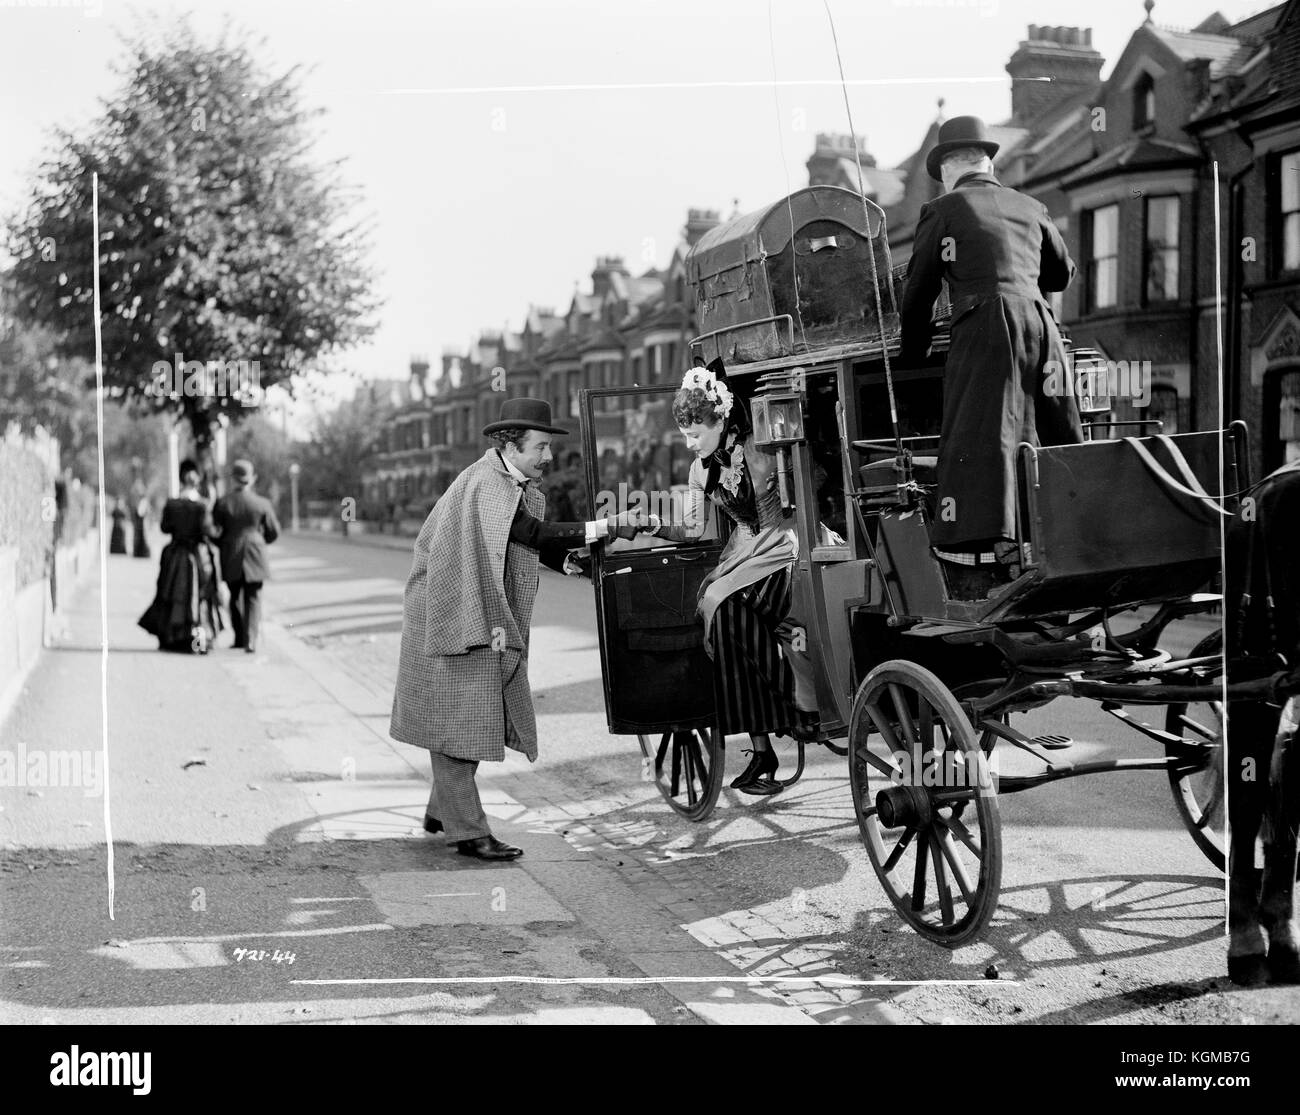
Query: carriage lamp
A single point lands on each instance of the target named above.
(1090, 381)
(778, 424)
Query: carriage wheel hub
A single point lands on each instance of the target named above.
(903, 807)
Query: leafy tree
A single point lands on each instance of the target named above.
(221, 240)
(40, 388)
(341, 441)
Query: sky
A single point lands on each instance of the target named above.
(494, 173)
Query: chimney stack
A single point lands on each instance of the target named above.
(606, 266)
(1062, 55)
(698, 222)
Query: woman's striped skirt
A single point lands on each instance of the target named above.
(753, 683)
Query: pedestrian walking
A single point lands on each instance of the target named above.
(185, 614)
(117, 539)
(248, 525)
(462, 685)
(139, 520)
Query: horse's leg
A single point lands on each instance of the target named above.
(1277, 900)
(1249, 737)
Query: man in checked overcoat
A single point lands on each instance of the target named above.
(462, 682)
(999, 252)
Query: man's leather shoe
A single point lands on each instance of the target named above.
(488, 847)
(432, 824)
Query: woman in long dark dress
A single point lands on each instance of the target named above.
(117, 540)
(185, 614)
(762, 677)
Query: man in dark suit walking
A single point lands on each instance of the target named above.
(248, 525)
(999, 251)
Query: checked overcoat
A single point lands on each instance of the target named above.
(462, 678)
(999, 251)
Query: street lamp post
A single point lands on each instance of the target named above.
(293, 493)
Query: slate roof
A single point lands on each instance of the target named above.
(1139, 152)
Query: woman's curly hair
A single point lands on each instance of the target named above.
(692, 405)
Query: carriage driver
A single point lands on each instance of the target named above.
(1000, 252)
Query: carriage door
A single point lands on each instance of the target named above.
(656, 673)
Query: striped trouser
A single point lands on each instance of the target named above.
(454, 799)
(752, 680)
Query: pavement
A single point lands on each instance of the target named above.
(269, 864)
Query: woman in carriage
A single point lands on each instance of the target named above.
(762, 677)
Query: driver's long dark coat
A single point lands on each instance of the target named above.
(999, 251)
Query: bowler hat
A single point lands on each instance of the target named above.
(242, 471)
(524, 414)
(960, 131)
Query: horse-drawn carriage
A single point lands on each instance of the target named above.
(916, 685)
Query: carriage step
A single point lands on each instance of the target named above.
(1053, 742)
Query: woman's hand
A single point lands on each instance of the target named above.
(627, 523)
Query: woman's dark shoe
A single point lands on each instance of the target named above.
(762, 787)
(488, 847)
(761, 764)
(432, 824)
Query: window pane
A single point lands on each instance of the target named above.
(1290, 171)
(1162, 249)
(1105, 274)
(1164, 408)
(1288, 422)
(1291, 242)
(1105, 231)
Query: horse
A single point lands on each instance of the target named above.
(1262, 622)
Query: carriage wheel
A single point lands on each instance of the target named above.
(687, 767)
(1196, 775)
(926, 803)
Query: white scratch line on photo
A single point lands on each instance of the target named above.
(353, 898)
(644, 85)
(455, 894)
(832, 981)
(267, 936)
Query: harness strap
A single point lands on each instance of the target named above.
(1197, 492)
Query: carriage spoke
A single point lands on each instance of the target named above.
(677, 767)
(958, 871)
(899, 849)
(882, 764)
(663, 750)
(697, 752)
(883, 726)
(959, 829)
(918, 878)
(941, 880)
(905, 723)
(688, 760)
(1210, 735)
